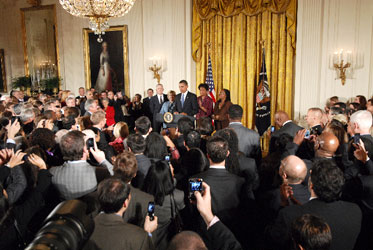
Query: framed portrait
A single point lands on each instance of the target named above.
(106, 63)
(2, 72)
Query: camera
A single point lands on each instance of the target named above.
(273, 128)
(90, 143)
(195, 184)
(357, 139)
(151, 208)
(67, 227)
(307, 134)
(167, 158)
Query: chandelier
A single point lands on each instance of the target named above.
(98, 12)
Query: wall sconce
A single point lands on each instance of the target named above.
(344, 63)
(157, 65)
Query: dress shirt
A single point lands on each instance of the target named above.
(160, 99)
(286, 122)
(217, 167)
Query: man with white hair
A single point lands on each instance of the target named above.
(359, 125)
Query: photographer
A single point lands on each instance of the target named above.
(14, 219)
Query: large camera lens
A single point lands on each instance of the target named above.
(67, 227)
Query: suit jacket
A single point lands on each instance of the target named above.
(146, 107)
(248, 141)
(77, 178)
(289, 128)
(344, 219)
(227, 191)
(138, 207)
(155, 106)
(143, 165)
(222, 238)
(190, 104)
(111, 232)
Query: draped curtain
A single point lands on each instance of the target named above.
(236, 29)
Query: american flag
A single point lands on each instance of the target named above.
(210, 81)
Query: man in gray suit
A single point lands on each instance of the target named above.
(248, 139)
(76, 177)
(111, 232)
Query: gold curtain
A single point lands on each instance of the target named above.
(235, 29)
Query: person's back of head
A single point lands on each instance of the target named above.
(293, 169)
(121, 130)
(73, 111)
(361, 121)
(98, 117)
(204, 126)
(192, 139)
(72, 146)
(281, 117)
(17, 108)
(235, 112)
(27, 115)
(217, 149)
(231, 137)
(187, 240)
(156, 146)
(326, 180)
(310, 232)
(43, 137)
(112, 194)
(142, 125)
(159, 182)
(185, 125)
(136, 143)
(326, 144)
(125, 166)
(194, 161)
(88, 104)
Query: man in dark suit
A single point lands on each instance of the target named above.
(248, 139)
(111, 232)
(89, 95)
(286, 125)
(146, 104)
(227, 189)
(99, 121)
(186, 102)
(91, 107)
(155, 105)
(344, 218)
(136, 144)
(125, 167)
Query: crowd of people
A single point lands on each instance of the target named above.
(312, 190)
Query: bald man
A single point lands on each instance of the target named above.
(286, 126)
(293, 172)
(314, 120)
(326, 145)
(187, 240)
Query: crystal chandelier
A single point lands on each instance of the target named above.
(98, 12)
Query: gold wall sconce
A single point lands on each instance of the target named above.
(157, 65)
(344, 63)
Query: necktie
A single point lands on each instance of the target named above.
(182, 100)
(160, 99)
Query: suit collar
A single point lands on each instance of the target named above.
(109, 218)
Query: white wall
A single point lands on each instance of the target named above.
(324, 27)
(155, 27)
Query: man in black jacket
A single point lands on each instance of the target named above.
(286, 125)
(146, 104)
(155, 106)
(344, 218)
(186, 102)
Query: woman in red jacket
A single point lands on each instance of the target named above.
(110, 112)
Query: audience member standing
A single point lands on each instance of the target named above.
(146, 104)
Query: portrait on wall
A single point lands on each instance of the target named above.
(106, 63)
(2, 72)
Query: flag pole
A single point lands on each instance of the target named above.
(262, 54)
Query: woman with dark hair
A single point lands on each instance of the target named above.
(341, 155)
(205, 103)
(205, 128)
(222, 106)
(156, 147)
(159, 182)
(362, 102)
